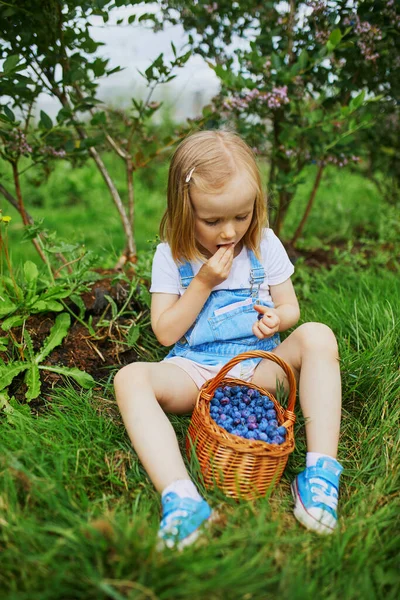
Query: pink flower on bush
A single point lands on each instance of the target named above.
(18, 143)
(210, 8)
(367, 36)
(278, 97)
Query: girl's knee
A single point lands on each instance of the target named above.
(317, 336)
(131, 373)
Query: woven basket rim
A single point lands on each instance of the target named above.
(235, 441)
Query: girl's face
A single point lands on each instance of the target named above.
(224, 217)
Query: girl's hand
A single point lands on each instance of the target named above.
(217, 268)
(268, 324)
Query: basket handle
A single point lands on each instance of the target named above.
(214, 383)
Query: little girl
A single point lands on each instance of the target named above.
(221, 286)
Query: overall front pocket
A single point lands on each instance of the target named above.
(236, 320)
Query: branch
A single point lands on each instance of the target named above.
(308, 207)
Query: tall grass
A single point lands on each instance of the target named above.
(79, 516)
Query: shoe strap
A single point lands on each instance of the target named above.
(178, 503)
(324, 474)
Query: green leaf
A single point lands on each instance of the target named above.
(335, 37)
(53, 305)
(29, 344)
(10, 63)
(275, 61)
(14, 321)
(56, 336)
(63, 247)
(357, 101)
(55, 292)
(31, 275)
(131, 19)
(9, 371)
(38, 306)
(7, 307)
(133, 334)
(303, 59)
(32, 380)
(114, 307)
(45, 120)
(80, 304)
(3, 344)
(9, 113)
(84, 379)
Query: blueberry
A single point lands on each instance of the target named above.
(281, 431)
(236, 389)
(270, 414)
(225, 400)
(270, 431)
(252, 426)
(246, 400)
(274, 423)
(227, 390)
(222, 417)
(251, 419)
(215, 402)
(218, 395)
(250, 435)
(263, 437)
(236, 421)
(279, 439)
(242, 405)
(256, 434)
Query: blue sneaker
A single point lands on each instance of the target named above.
(315, 492)
(181, 521)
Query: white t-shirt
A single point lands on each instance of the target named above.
(165, 276)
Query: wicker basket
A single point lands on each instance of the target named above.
(241, 468)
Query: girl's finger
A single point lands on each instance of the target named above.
(256, 331)
(265, 330)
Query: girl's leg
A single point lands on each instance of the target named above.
(311, 351)
(144, 391)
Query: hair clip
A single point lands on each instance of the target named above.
(189, 175)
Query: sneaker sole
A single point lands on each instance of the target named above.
(191, 538)
(305, 518)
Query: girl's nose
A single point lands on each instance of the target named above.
(228, 231)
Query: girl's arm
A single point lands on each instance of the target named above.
(171, 315)
(285, 314)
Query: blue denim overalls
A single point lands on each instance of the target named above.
(223, 327)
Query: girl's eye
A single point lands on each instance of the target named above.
(211, 223)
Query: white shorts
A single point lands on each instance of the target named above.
(201, 373)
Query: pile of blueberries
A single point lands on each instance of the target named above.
(247, 413)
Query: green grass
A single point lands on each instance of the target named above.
(79, 516)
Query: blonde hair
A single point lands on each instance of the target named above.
(207, 160)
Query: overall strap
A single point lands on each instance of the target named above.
(186, 274)
(257, 274)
